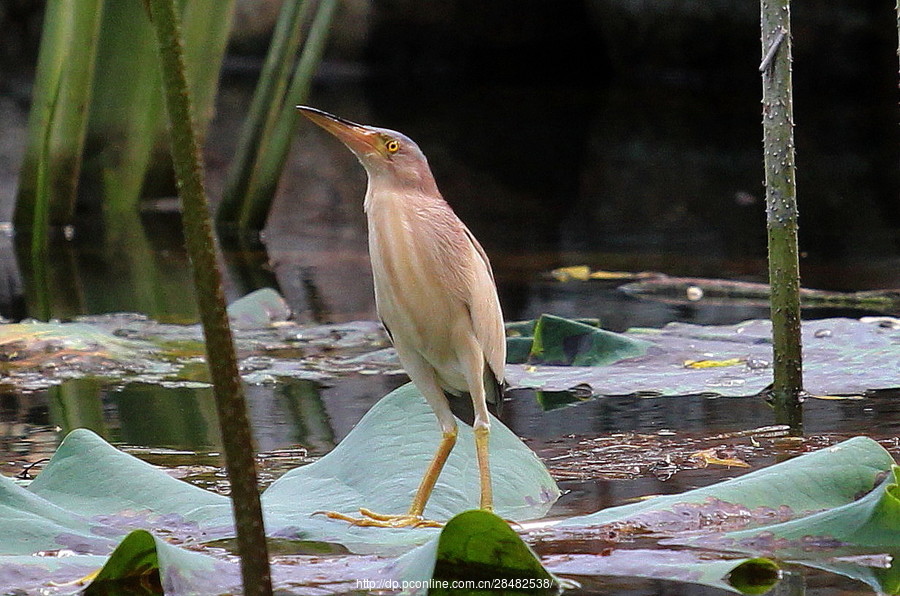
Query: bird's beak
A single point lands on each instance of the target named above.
(358, 138)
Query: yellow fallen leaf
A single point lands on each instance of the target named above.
(613, 275)
(710, 457)
(575, 272)
(584, 273)
(712, 363)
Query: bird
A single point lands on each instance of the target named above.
(435, 295)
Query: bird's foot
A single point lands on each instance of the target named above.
(369, 518)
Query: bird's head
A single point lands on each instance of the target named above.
(387, 155)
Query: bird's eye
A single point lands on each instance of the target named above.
(392, 145)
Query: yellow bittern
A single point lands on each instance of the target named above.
(434, 292)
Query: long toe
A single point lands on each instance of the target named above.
(369, 518)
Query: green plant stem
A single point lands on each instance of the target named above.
(264, 109)
(37, 211)
(126, 111)
(781, 210)
(127, 132)
(230, 403)
(207, 26)
(276, 140)
(56, 132)
(58, 118)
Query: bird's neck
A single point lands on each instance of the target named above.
(383, 195)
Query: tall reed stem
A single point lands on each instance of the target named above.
(264, 108)
(58, 118)
(258, 178)
(56, 133)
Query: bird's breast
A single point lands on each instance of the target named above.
(416, 291)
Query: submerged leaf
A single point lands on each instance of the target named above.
(840, 356)
(711, 457)
(584, 273)
(712, 363)
(574, 272)
(26, 345)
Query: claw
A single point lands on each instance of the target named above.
(379, 520)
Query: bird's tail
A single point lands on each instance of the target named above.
(494, 391)
(461, 404)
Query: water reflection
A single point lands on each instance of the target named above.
(301, 413)
(181, 418)
(623, 177)
(78, 404)
(291, 413)
(793, 582)
(126, 265)
(294, 412)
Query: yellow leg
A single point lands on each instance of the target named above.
(413, 517)
(432, 473)
(482, 435)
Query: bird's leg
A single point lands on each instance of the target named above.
(481, 427)
(412, 518)
(482, 433)
(432, 473)
(423, 377)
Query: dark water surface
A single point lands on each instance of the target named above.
(620, 177)
(646, 442)
(633, 178)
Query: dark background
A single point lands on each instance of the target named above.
(610, 133)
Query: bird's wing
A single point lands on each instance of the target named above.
(484, 309)
(386, 328)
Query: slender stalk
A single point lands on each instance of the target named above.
(58, 118)
(273, 151)
(230, 403)
(781, 210)
(264, 109)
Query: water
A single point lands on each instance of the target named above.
(626, 177)
(604, 451)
